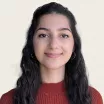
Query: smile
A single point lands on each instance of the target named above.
(51, 55)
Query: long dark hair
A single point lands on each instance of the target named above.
(75, 80)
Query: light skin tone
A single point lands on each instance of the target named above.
(53, 35)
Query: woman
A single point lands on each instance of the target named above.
(53, 68)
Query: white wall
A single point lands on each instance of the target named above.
(15, 17)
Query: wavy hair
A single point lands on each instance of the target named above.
(75, 80)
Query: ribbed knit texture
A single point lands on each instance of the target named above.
(52, 93)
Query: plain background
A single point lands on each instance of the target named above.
(15, 18)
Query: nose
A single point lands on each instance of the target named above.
(53, 43)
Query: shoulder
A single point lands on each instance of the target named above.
(7, 98)
(95, 95)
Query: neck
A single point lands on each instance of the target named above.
(52, 75)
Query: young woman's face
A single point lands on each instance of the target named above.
(53, 41)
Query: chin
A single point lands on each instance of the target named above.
(53, 66)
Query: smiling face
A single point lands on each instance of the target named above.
(53, 41)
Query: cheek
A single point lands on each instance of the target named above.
(39, 47)
(68, 49)
(69, 45)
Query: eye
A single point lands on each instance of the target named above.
(42, 35)
(65, 36)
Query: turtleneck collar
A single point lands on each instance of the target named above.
(52, 87)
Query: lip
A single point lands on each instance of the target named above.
(53, 55)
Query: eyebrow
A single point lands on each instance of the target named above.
(42, 28)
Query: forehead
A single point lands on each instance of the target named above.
(54, 21)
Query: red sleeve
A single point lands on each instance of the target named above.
(7, 98)
(96, 96)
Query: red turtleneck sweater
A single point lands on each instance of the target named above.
(51, 93)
